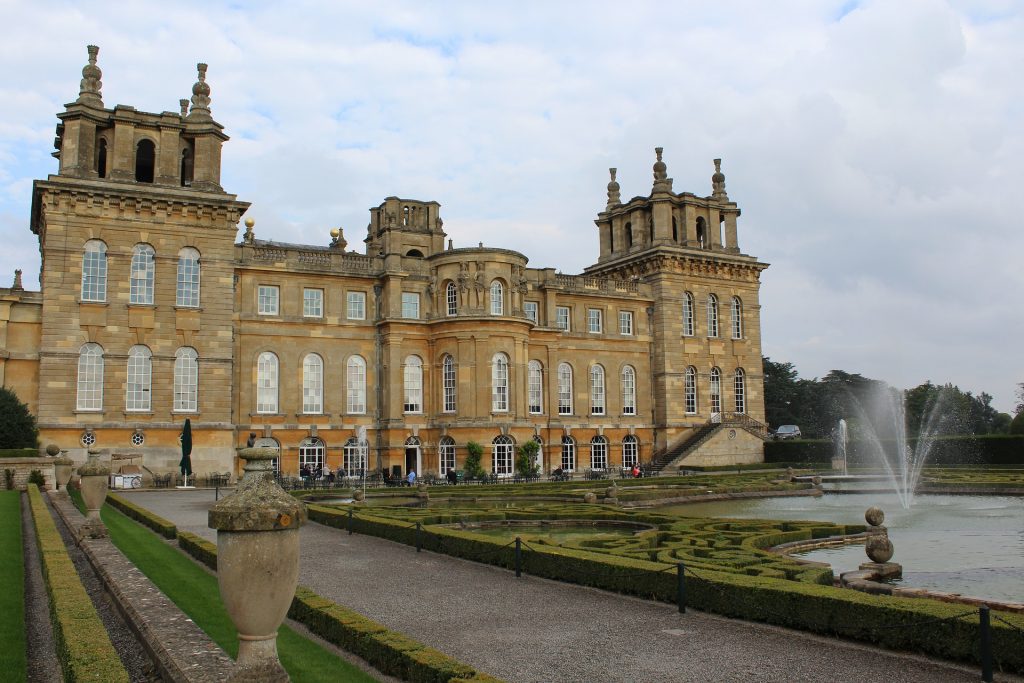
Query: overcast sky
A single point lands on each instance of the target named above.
(874, 147)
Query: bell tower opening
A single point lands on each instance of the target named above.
(145, 161)
(101, 158)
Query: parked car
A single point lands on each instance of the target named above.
(787, 432)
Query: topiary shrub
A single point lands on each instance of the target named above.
(36, 477)
(472, 467)
(526, 459)
(17, 424)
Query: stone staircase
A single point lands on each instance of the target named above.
(678, 452)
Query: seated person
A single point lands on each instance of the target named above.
(452, 476)
(636, 471)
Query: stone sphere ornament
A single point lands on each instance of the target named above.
(358, 495)
(52, 450)
(589, 497)
(874, 516)
(879, 548)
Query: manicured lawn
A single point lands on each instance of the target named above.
(195, 592)
(12, 597)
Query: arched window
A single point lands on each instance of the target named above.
(564, 389)
(140, 379)
(690, 391)
(312, 384)
(702, 233)
(446, 454)
(712, 315)
(413, 383)
(688, 315)
(448, 384)
(353, 460)
(737, 318)
(535, 387)
(142, 274)
(716, 391)
(628, 390)
(627, 229)
(499, 383)
(497, 298)
(145, 161)
(629, 451)
(355, 383)
(451, 296)
(739, 387)
(188, 278)
(501, 456)
(94, 271)
(312, 453)
(405, 215)
(597, 390)
(568, 453)
(186, 380)
(90, 377)
(266, 383)
(599, 453)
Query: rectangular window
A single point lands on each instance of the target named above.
(313, 303)
(356, 306)
(530, 309)
(268, 298)
(626, 323)
(594, 320)
(562, 318)
(411, 305)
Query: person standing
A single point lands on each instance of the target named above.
(412, 477)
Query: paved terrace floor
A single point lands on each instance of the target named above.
(536, 630)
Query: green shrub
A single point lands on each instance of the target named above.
(474, 455)
(82, 644)
(36, 477)
(143, 516)
(8, 479)
(526, 459)
(987, 449)
(19, 453)
(1017, 424)
(17, 424)
(199, 548)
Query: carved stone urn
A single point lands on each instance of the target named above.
(62, 468)
(257, 563)
(95, 477)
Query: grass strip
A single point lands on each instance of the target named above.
(12, 598)
(195, 592)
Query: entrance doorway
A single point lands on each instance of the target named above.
(413, 460)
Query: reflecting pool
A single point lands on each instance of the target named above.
(972, 545)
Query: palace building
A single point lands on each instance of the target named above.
(154, 309)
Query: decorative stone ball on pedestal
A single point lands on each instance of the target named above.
(257, 563)
(358, 495)
(589, 497)
(611, 494)
(421, 492)
(95, 477)
(878, 547)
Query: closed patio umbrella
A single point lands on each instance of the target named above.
(186, 450)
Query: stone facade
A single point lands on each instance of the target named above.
(422, 345)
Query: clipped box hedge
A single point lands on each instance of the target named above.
(199, 548)
(83, 646)
(143, 516)
(19, 452)
(987, 449)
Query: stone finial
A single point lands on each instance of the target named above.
(718, 182)
(17, 281)
(89, 91)
(662, 183)
(614, 198)
(338, 240)
(183, 103)
(450, 244)
(200, 95)
(249, 235)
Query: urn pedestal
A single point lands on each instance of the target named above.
(94, 478)
(257, 563)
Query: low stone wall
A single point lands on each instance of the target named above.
(23, 467)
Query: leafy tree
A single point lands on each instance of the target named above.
(17, 424)
(526, 459)
(472, 466)
(1020, 399)
(1017, 426)
(781, 392)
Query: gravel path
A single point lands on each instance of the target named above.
(532, 629)
(41, 653)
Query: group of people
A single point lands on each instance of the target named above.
(318, 472)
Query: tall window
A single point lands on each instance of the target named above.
(94, 271)
(312, 453)
(562, 318)
(737, 318)
(142, 274)
(629, 451)
(564, 389)
(413, 382)
(716, 391)
(267, 300)
(568, 453)
(355, 385)
(594, 320)
(628, 390)
(266, 383)
(497, 298)
(312, 303)
(140, 379)
(535, 387)
(688, 315)
(530, 309)
(411, 305)
(90, 377)
(690, 391)
(451, 297)
(446, 454)
(712, 315)
(356, 309)
(448, 384)
(626, 323)
(599, 453)
(499, 383)
(501, 456)
(312, 384)
(187, 294)
(186, 380)
(739, 387)
(352, 457)
(597, 390)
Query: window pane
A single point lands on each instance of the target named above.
(313, 303)
(94, 271)
(90, 378)
(594, 320)
(267, 300)
(497, 298)
(142, 274)
(536, 388)
(356, 385)
(186, 381)
(312, 384)
(452, 299)
(410, 305)
(266, 383)
(568, 454)
(356, 306)
(599, 453)
(625, 323)
(530, 309)
(688, 315)
(628, 391)
(413, 385)
(448, 382)
(139, 379)
(690, 391)
(499, 384)
(187, 293)
(562, 317)
(597, 390)
(564, 389)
